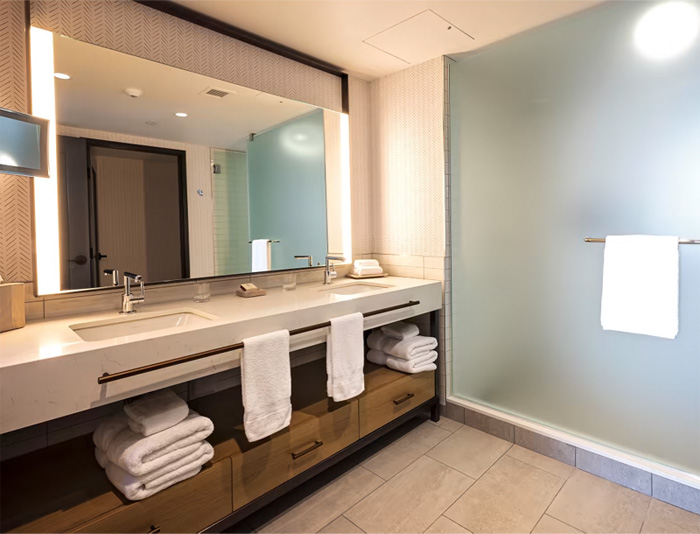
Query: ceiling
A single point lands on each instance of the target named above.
(373, 38)
(95, 98)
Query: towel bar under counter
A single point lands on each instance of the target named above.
(106, 377)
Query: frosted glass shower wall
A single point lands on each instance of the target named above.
(558, 134)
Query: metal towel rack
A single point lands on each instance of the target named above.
(680, 241)
(213, 352)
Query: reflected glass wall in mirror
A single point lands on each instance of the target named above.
(172, 175)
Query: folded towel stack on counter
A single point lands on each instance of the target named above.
(366, 268)
(399, 347)
(157, 442)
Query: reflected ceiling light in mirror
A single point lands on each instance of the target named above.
(48, 274)
(666, 30)
(61, 76)
(180, 114)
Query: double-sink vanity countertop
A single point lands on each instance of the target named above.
(47, 370)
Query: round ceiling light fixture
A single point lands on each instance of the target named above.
(61, 76)
(180, 114)
(666, 30)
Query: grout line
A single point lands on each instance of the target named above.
(352, 522)
(646, 515)
(550, 504)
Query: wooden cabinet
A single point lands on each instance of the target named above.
(189, 506)
(389, 394)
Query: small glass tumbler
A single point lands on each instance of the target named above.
(202, 293)
(289, 281)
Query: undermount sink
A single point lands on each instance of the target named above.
(354, 288)
(139, 324)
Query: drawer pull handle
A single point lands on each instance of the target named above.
(154, 530)
(316, 445)
(403, 399)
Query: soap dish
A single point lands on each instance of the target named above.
(251, 293)
(362, 277)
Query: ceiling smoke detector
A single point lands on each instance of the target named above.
(133, 92)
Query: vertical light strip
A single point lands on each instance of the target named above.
(48, 272)
(346, 191)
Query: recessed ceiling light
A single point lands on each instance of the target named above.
(180, 114)
(61, 76)
(667, 29)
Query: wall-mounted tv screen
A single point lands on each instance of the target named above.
(24, 141)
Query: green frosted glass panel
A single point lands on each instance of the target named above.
(287, 184)
(561, 133)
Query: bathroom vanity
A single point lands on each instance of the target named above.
(56, 367)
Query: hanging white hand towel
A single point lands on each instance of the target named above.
(262, 255)
(266, 384)
(640, 285)
(345, 357)
(155, 412)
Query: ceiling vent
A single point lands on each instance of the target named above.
(215, 92)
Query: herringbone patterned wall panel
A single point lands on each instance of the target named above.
(141, 31)
(15, 207)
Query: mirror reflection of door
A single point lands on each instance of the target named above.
(126, 204)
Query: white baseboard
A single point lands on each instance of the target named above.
(645, 464)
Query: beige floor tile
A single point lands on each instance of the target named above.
(446, 526)
(595, 505)
(664, 518)
(470, 451)
(549, 525)
(322, 507)
(341, 525)
(510, 497)
(412, 500)
(449, 424)
(539, 460)
(406, 450)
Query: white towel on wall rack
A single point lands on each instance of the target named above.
(261, 255)
(641, 285)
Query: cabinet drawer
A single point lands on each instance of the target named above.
(188, 506)
(394, 398)
(311, 438)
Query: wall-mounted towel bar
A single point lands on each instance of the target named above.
(680, 241)
(213, 352)
(271, 241)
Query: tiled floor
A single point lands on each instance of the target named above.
(447, 477)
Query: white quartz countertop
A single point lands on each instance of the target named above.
(47, 370)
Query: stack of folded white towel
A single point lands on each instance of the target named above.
(399, 347)
(157, 442)
(366, 268)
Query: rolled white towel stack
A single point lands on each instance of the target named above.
(366, 268)
(157, 442)
(400, 347)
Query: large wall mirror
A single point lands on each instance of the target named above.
(172, 175)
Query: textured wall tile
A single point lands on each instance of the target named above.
(676, 494)
(489, 425)
(362, 186)
(615, 471)
(453, 411)
(549, 447)
(137, 30)
(408, 161)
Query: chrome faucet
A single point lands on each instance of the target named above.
(309, 258)
(128, 298)
(114, 273)
(329, 273)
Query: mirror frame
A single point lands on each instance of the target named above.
(46, 256)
